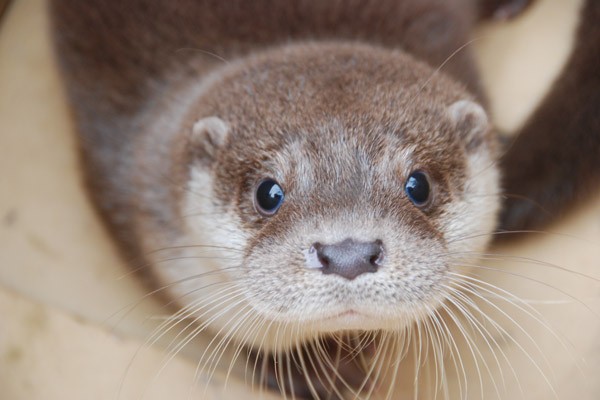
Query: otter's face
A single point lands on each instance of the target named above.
(337, 205)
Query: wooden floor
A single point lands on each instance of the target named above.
(65, 332)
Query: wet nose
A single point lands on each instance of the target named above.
(349, 258)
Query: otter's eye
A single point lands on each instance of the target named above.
(417, 188)
(268, 197)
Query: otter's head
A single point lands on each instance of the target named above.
(340, 187)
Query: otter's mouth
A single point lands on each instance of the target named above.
(345, 320)
(345, 314)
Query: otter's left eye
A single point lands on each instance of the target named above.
(417, 188)
(268, 197)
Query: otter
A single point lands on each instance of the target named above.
(318, 174)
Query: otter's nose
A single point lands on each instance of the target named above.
(349, 258)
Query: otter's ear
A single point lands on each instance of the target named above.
(470, 121)
(208, 135)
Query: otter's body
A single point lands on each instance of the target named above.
(299, 177)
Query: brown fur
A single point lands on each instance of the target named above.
(122, 57)
(554, 162)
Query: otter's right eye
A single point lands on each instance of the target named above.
(268, 197)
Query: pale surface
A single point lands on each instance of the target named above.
(63, 288)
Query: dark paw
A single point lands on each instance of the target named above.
(519, 215)
(502, 9)
(309, 374)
